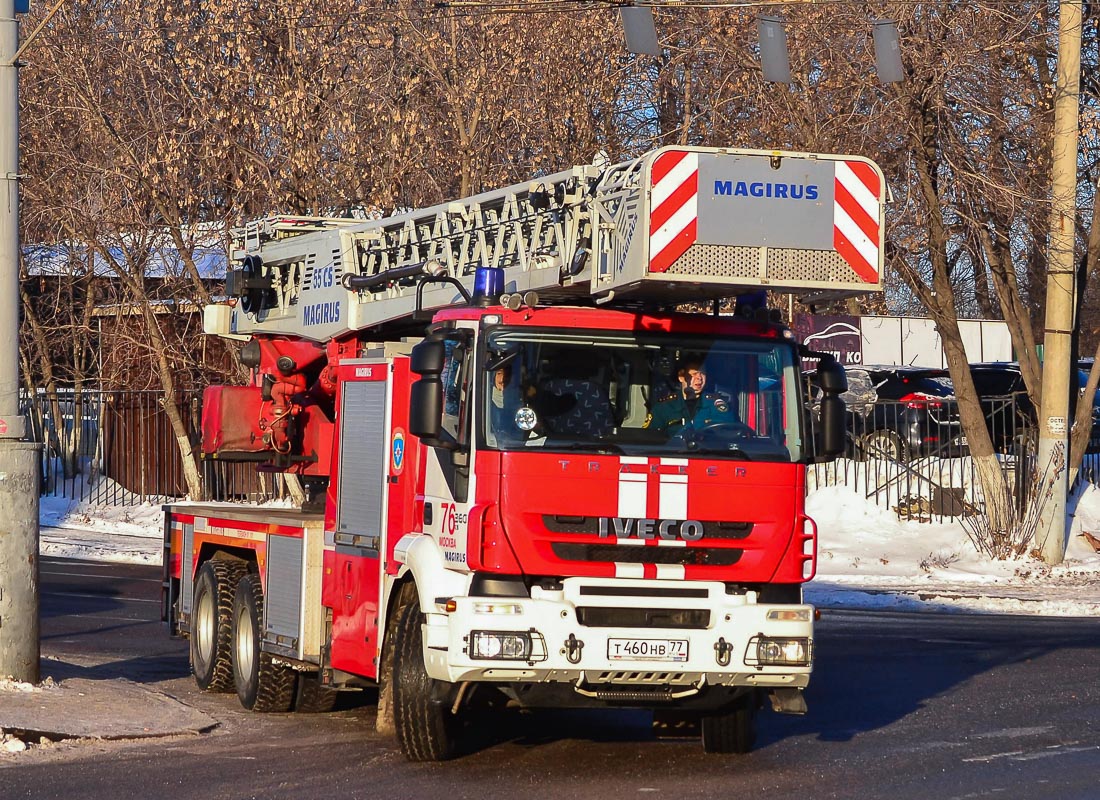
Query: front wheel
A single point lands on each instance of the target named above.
(261, 685)
(733, 731)
(426, 728)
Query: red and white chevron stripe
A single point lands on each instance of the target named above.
(673, 221)
(855, 217)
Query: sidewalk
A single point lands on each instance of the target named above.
(87, 544)
(66, 705)
(83, 708)
(1055, 598)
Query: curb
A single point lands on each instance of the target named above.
(82, 708)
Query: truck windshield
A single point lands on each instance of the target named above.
(641, 395)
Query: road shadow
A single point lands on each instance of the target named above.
(63, 598)
(880, 667)
(872, 671)
(145, 669)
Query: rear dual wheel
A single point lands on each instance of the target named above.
(211, 632)
(261, 684)
(225, 645)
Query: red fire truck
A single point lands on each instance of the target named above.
(528, 477)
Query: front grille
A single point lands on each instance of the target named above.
(557, 523)
(634, 554)
(601, 617)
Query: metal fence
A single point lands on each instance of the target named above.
(912, 457)
(119, 448)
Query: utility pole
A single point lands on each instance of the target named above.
(19, 460)
(1061, 272)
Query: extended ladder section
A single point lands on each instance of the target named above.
(676, 225)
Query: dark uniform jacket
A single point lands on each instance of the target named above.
(674, 412)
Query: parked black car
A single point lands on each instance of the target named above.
(901, 413)
(1009, 412)
(1008, 408)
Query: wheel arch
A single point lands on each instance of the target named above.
(210, 551)
(423, 563)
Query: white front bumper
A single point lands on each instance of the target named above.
(721, 654)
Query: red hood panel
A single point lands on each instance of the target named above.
(554, 508)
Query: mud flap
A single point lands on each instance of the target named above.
(788, 701)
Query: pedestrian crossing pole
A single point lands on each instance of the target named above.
(19, 459)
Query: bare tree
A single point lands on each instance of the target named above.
(150, 124)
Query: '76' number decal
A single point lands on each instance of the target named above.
(452, 518)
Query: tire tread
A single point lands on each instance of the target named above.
(226, 575)
(313, 698)
(426, 730)
(275, 684)
(733, 731)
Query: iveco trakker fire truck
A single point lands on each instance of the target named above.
(468, 392)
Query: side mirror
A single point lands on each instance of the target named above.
(426, 410)
(426, 394)
(831, 377)
(833, 381)
(833, 422)
(427, 357)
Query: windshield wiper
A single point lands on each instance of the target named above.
(729, 449)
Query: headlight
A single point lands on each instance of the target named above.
(769, 651)
(500, 645)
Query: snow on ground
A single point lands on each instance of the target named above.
(75, 529)
(867, 557)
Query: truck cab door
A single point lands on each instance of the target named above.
(448, 473)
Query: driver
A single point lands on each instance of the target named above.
(689, 407)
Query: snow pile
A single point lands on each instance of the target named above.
(82, 529)
(10, 743)
(9, 685)
(141, 519)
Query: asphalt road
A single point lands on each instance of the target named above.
(901, 706)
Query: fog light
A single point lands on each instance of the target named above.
(779, 652)
(500, 645)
